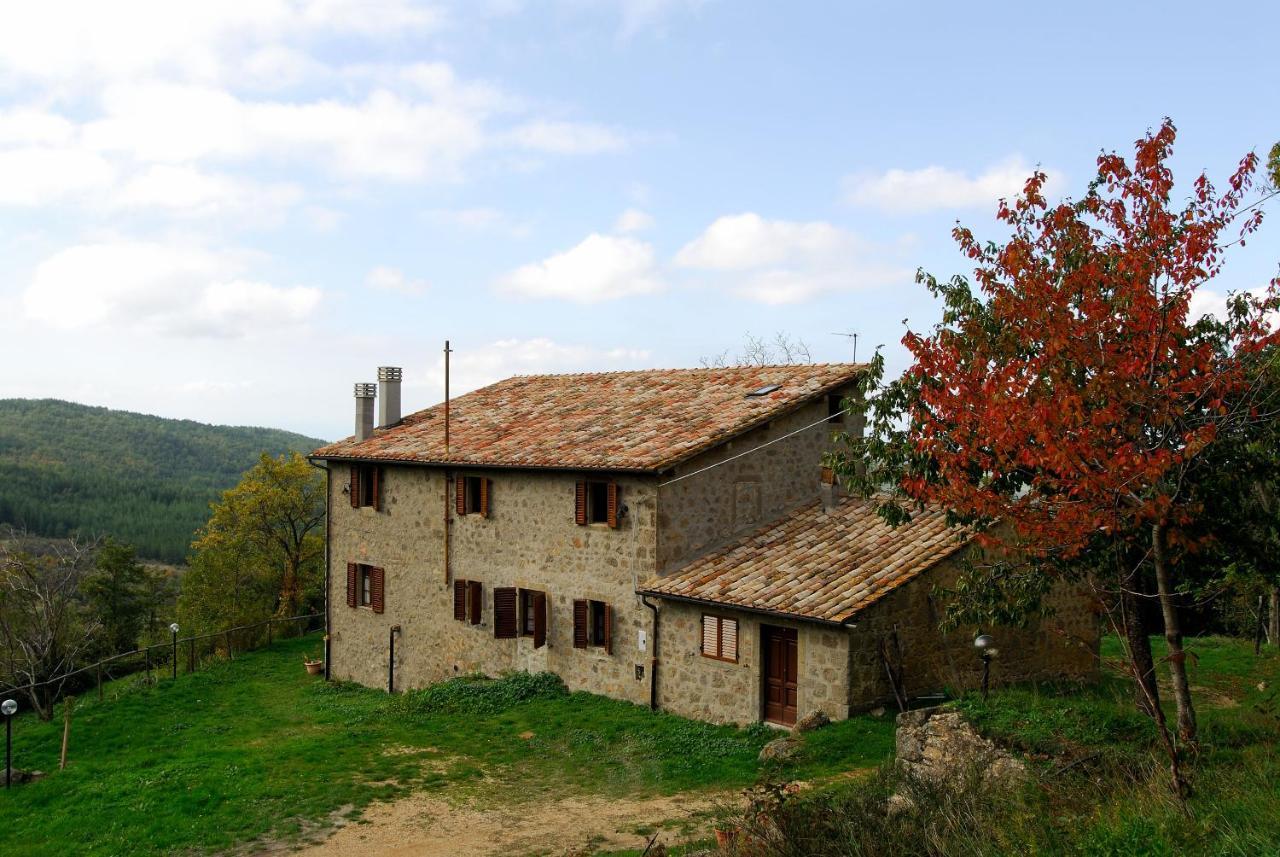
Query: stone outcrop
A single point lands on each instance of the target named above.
(813, 720)
(780, 750)
(939, 745)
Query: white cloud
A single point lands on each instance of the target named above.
(479, 218)
(387, 279)
(602, 267)
(190, 192)
(782, 261)
(472, 368)
(567, 138)
(633, 220)
(33, 176)
(935, 187)
(161, 288)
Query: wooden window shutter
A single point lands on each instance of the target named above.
(729, 639)
(539, 620)
(460, 600)
(711, 636)
(504, 612)
(581, 616)
(460, 495)
(377, 490)
(353, 583)
(580, 504)
(484, 497)
(613, 505)
(475, 605)
(608, 629)
(376, 582)
(355, 486)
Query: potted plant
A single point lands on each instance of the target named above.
(314, 667)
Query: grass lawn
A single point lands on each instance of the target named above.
(1099, 783)
(256, 748)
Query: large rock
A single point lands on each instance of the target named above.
(939, 745)
(780, 750)
(813, 720)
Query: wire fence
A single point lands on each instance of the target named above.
(179, 654)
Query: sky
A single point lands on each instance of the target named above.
(232, 211)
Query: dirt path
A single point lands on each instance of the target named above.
(421, 825)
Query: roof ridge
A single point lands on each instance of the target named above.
(659, 369)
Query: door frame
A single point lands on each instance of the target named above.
(766, 632)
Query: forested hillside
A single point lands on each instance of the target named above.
(148, 481)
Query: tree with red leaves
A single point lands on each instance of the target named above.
(1065, 405)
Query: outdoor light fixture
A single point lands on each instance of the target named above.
(173, 629)
(9, 707)
(986, 646)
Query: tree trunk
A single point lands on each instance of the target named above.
(1273, 620)
(1146, 689)
(1173, 636)
(290, 594)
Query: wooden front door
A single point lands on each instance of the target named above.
(781, 673)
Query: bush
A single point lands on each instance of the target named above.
(478, 695)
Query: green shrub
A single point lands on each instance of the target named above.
(478, 695)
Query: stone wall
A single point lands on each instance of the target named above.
(693, 685)
(705, 511)
(1061, 646)
(529, 540)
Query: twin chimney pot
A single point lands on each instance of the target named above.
(387, 392)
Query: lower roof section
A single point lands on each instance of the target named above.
(819, 564)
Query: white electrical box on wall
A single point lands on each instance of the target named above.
(642, 639)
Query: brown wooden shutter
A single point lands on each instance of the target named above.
(460, 495)
(377, 490)
(460, 600)
(608, 629)
(376, 580)
(539, 620)
(581, 618)
(476, 591)
(580, 504)
(613, 505)
(504, 613)
(484, 498)
(355, 486)
(353, 583)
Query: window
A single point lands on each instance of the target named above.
(473, 496)
(528, 613)
(366, 487)
(466, 601)
(835, 408)
(365, 586)
(597, 503)
(533, 616)
(720, 638)
(592, 625)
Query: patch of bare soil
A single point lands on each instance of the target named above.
(422, 825)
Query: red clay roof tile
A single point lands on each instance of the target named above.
(637, 421)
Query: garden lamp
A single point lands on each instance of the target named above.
(9, 707)
(173, 629)
(985, 644)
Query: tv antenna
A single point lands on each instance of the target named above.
(854, 337)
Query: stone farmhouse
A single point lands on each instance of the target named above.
(663, 537)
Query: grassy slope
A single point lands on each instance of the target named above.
(255, 747)
(67, 468)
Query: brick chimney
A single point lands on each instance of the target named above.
(364, 410)
(829, 489)
(388, 396)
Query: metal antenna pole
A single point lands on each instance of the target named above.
(854, 337)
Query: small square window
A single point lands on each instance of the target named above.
(599, 617)
(472, 491)
(835, 408)
(720, 638)
(597, 502)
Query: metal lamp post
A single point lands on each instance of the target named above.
(173, 629)
(985, 644)
(9, 707)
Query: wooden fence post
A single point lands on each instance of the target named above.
(191, 656)
(230, 655)
(99, 672)
(268, 633)
(67, 703)
(148, 651)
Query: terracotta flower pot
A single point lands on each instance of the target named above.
(726, 836)
(314, 667)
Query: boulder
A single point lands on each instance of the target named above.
(813, 720)
(939, 745)
(780, 750)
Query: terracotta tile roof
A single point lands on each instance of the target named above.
(641, 421)
(815, 564)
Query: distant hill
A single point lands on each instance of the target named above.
(68, 468)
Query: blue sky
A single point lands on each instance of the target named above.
(230, 212)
